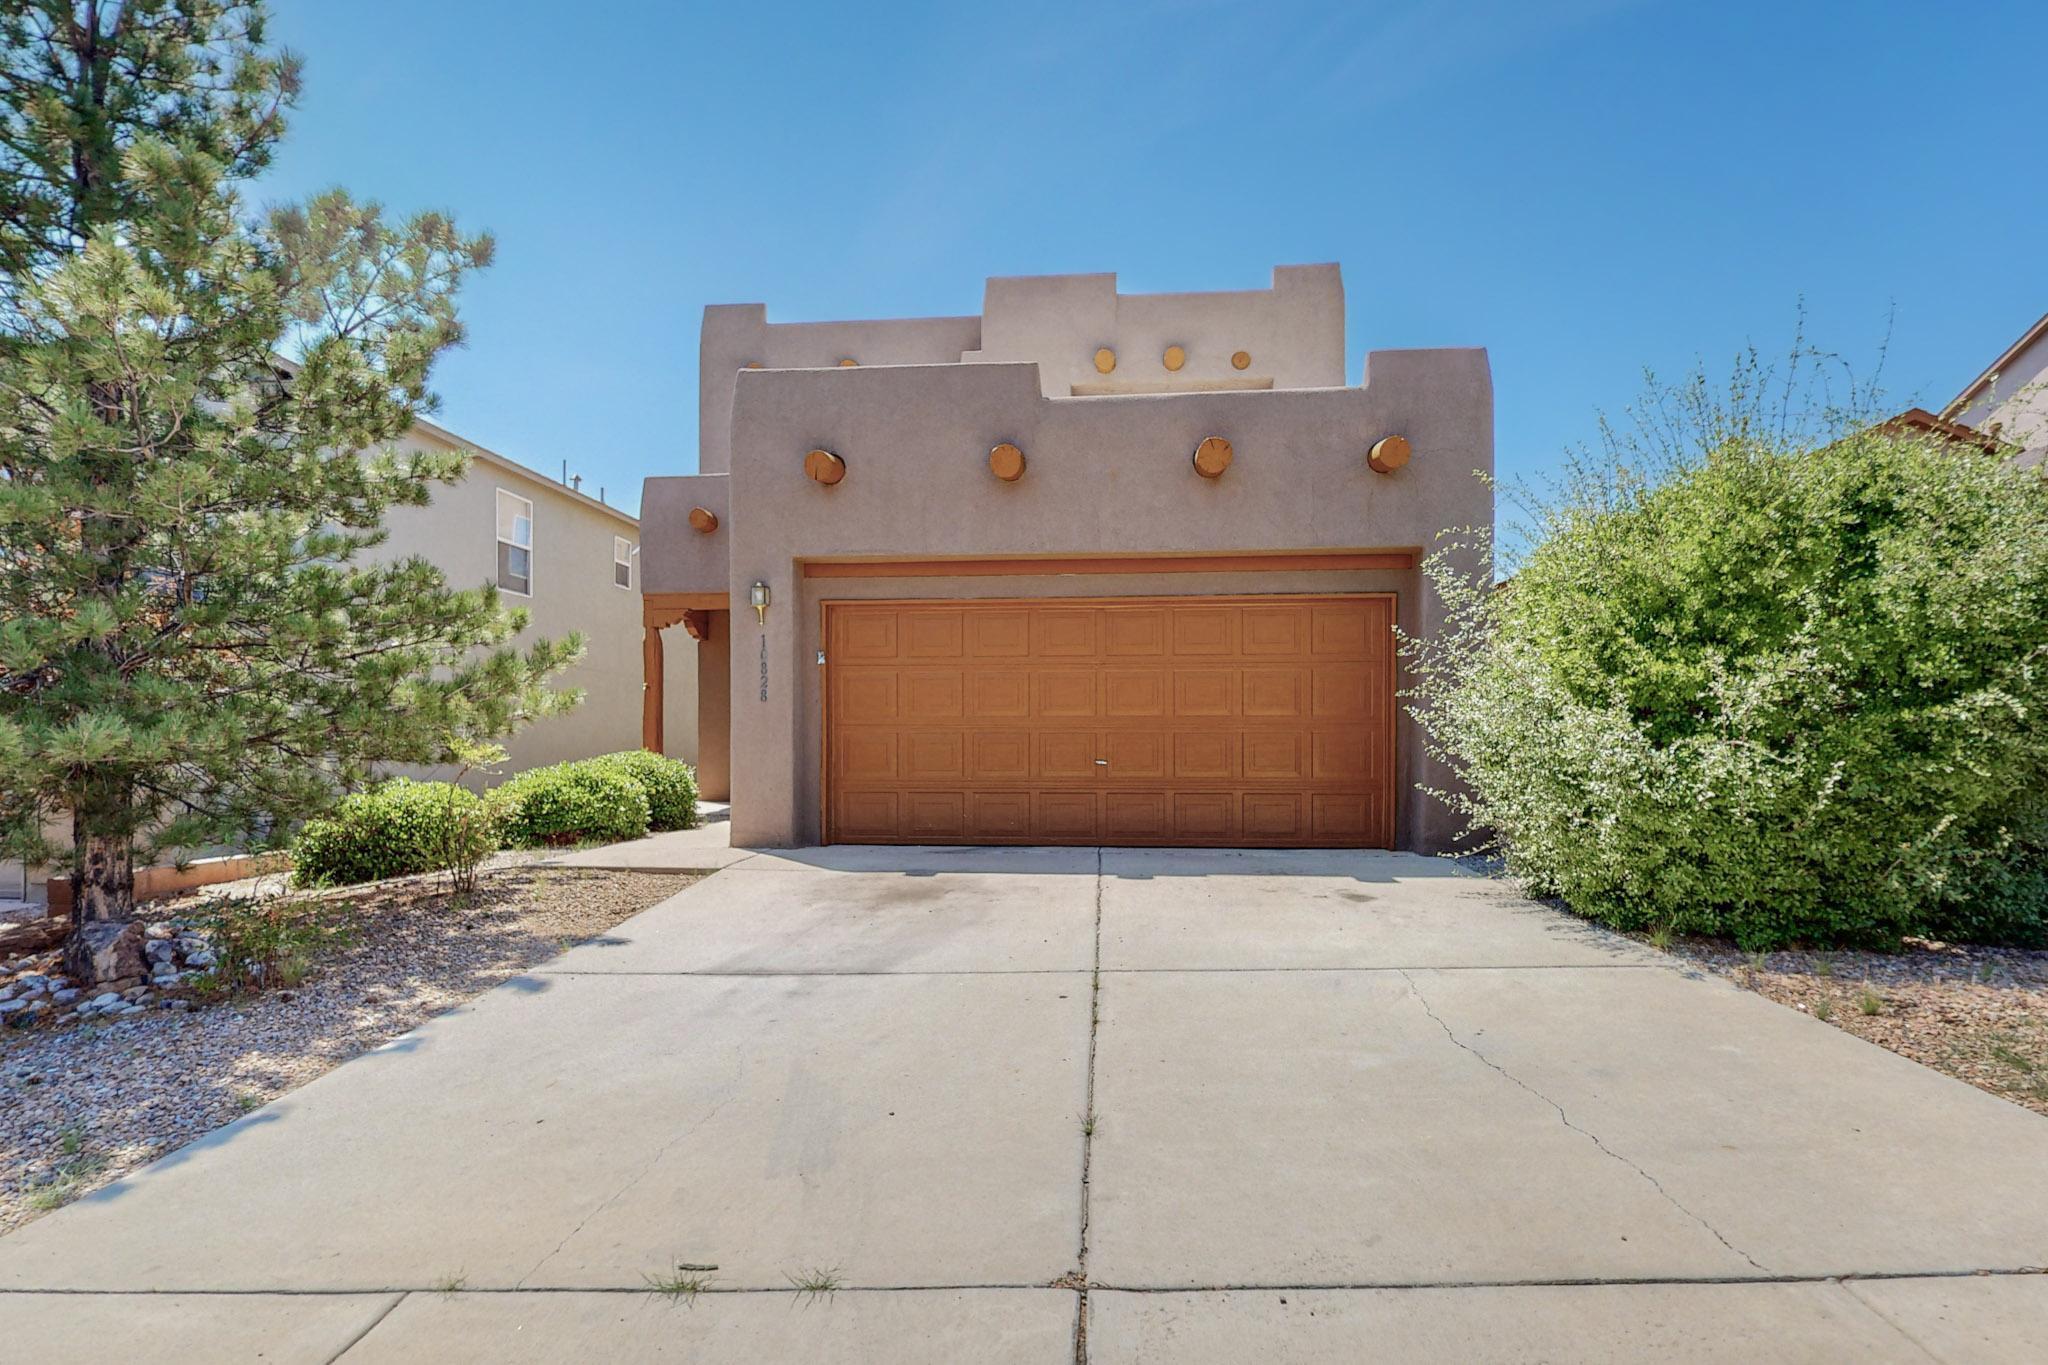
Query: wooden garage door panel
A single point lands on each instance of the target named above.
(1134, 633)
(1260, 721)
(932, 634)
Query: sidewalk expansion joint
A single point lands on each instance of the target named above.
(640, 1290)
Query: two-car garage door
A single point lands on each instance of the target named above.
(1256, 721)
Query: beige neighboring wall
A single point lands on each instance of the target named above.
(2010, 400)
(573, 590)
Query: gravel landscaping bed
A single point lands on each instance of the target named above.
(85, 1102)
(1979, 1014)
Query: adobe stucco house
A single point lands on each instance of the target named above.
(1087, 568)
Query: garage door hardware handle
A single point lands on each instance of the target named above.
(1102, 763)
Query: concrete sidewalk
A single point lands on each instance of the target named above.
(706, 848)
(1301, 1107)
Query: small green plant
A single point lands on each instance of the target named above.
(469, 832)
(65, 1181)
(1824, 966)
(1987, 973)
(71, 1140)
(1088, 1126)
(1661, 936)
(247, 1101)
(1824, 1009)
(571, 803)
(683, 1281)
(1869, 1001)
(2017, 1062)
(451, 1284)
(815, 1282)
(266, 943)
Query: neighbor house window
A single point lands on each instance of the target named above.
(622, 562)
(515, 544)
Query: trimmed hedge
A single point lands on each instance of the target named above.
(670, 785)
(572, 803)
(396, 829)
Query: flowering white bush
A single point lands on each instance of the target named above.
(1757, 683)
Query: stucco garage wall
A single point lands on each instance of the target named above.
(1105, 475)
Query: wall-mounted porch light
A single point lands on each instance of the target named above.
(759, 598)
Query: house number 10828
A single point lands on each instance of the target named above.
(764, 668)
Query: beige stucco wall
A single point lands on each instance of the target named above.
(1106, 475)
(572, 591)
(1293, 331)
(2017, 400)
(738, 335)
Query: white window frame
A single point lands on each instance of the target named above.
(506, 497)
(622, 555)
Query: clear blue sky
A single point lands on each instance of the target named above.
(1585, 187)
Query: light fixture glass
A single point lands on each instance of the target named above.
(759, 598)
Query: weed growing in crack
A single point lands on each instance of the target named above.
(451, 1284)
(815, 1282)
(682, 1282)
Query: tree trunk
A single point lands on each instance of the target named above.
(103, 886)
(106, 943)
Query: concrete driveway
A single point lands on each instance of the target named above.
(1285, 1106)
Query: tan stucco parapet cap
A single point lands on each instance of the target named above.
(1996, 368)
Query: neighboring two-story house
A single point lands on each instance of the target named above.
(1088, 568)
(573, 562)
(2009, 401)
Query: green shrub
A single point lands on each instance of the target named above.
(393, 830)
(1781, 688)
(670, 786)
(572, 803)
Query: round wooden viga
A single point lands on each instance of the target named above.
(703, 519)
(1212, 457)
(1388, 454)
(1006, 462)
(824, 467)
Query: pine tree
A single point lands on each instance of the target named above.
(199, 411)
